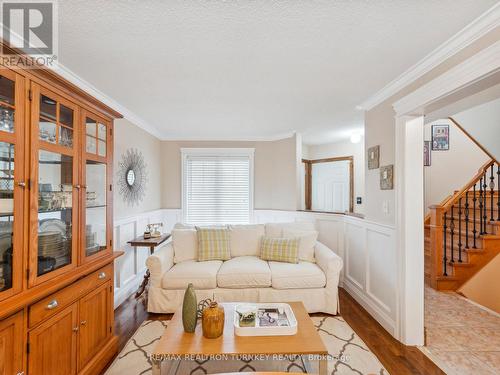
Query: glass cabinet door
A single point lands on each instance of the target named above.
(97, 193)
(56, 187)
(12, 185)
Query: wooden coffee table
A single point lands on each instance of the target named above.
(175, 344)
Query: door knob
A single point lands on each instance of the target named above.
(75, 329)
(83, 322)
(21, 184)
(101, 275)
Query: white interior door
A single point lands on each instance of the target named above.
(330, 186)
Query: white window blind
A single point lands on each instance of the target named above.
(217, 186)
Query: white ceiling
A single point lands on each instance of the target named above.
(251, 69)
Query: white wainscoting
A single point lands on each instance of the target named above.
(131, 266)
(369, 253)
(370, 269)
(368, 250)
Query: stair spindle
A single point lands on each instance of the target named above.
(481, 231)
(444, 245)
(492, 191)
(452, 234)
(474, 230)
(466, 212)
(498, 192)
(460, 230)
(485, 204)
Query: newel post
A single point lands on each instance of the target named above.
(436, 243)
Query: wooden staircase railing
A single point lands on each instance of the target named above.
(463, 227)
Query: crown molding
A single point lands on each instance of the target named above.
(470, 33)
(276, 137)
(86, 86)
(481, 65)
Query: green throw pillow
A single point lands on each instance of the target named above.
(213, 244)
(280, 249)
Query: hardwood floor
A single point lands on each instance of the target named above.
(396, 358)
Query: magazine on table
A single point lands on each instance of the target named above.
(272, 317)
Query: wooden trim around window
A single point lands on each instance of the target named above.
(308, 178)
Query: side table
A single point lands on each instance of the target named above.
(151, 243)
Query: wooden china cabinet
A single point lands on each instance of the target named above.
(56, 251)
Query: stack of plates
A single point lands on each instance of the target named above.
(51, 244)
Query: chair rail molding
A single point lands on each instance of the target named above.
(369, 253)
(482, 25)
(130, 268)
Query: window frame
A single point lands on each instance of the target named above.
(220, 152)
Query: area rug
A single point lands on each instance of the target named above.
(348, 354)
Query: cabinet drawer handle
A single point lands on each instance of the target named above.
(101, 275)
(78, 186)
(20, 373)
(75, 329)
(52, 304)
(21, 184)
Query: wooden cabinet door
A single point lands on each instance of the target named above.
(53, 344)
(11, 345)
(55, 186)
(95, 323)
(13, 184)
(97, 178)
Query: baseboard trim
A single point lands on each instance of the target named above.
(121, 294)
(385, 321)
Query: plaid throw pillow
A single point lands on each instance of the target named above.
(280, 249)
(213, 244)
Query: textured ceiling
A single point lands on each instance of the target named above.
(251, 69)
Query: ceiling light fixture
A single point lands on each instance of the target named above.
(355, 137)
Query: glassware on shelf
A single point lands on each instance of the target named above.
(6, 120)
(55, 213)
(95, 212)
(7, 164)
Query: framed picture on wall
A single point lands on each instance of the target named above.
(387, 177)
(427, 153)
(373, 157)
(440, 137)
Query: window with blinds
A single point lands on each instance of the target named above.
(217, 186)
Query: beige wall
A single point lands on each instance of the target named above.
(483, 123)
(451, 170)
(344, 148)
(484, 287)
(127, 135)
(380, 130)
(275, 171)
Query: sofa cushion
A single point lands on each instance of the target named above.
(203, 275)
(245, 239)
(280, 249)
(296, 276)
(185, 243)
(307, 241)
(213, 244)
(244, 272)
(275, 230)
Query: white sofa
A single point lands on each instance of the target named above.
(245, 277)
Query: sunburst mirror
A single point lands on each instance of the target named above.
(132, 177)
